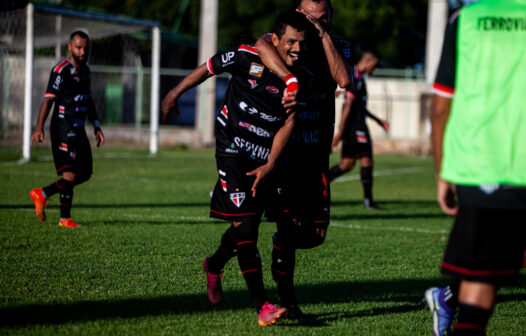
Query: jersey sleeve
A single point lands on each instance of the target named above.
(345, 50)
(444, 84)
(352, 90)
(222, 62)
(54, 86)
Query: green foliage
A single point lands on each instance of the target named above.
(134, 265)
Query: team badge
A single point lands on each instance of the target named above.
(253, 83)
(256, 70)
(224, 111)
(272, 89)
(63, 147)
(72, 155)
(237, 198)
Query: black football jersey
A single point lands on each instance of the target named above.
(314, 125)
(358, 90)
(70, 86)
(251, 111)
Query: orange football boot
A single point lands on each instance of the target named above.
(40, 203)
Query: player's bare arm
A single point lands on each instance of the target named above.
(38, 134)
(196, 77)
(445, 191)
(92, 116)
(338, 67)
(279, 142)
(346, 112)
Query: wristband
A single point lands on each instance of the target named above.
(292, 84)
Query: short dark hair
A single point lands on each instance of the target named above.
(79, 33)
(374, 52)
(291, 18)
(329, 5)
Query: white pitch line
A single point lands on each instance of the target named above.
(383, 228)
(385, 172)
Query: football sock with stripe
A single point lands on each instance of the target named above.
(66, 198)
(334, 172)
(283, 263)
(366, 174)
(472, 320)
(225, 252)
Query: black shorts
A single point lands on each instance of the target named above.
(300, 191)
(232, 196)
(72, 153)
(486, 245)
(357, 143)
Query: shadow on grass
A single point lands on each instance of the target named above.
(111, 206)
(396, 296)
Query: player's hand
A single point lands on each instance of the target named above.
(260, 172)
(168, 105)
(337, 138)
(100, 137)
(289, 101)
(317, 24)
(38, 136)
(385, 125)
(446, 193)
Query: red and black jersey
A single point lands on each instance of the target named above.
(251, 111)
(70, 86)
(445, 79)
(358, 91)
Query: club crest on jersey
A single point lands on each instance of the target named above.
(272, 89)
(63, 147)
(253, 83)
(237, 198)
(256, 70)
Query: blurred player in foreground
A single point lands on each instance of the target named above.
(479, 142)
(301, 191)
(354, 132)
(251, 130)
(69, 89)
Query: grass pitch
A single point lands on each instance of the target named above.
(134, 265)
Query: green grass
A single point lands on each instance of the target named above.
(134, 266)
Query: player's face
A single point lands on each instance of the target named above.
(289, 45)
(319, 10)
(79, 48)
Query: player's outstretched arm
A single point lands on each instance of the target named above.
(38, 134)
(196, 77)
(279, 142)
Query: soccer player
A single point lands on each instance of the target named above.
(251, 129)
(301, 206)
(354, 132)
(69, 90)
(479, 142)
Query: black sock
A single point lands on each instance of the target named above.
(451, 294)
(65, 188)
(225, 252)
(334, 172)
(250, 265)
(472, 320)
(52, 189)
(283, 263)
(366, 174)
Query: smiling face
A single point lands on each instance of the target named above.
(289, 45)
(79, 47)
(320, 10)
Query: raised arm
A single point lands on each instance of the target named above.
(196, 77)
(339, 69)
(269, 55)
(279, 142)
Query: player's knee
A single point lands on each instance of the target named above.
(313, 237)
(247, 230)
